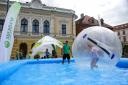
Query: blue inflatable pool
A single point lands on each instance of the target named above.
(53, 72)
(123, 63)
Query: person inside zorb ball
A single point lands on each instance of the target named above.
(99, 45)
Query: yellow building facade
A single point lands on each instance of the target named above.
(36, 20)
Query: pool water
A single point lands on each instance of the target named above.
(67, 74)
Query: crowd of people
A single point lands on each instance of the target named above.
(47, 54)
(66, 52)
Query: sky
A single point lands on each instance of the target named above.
(114, 12)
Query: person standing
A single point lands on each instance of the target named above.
(94, 55)
(17, 55)
(66, 52)
(54, 54)
(29, 55)
(21, 54)
(47, 54)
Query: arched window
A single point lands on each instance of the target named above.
(35, 26)
(46, 29)
(24, 25)
(1, 24)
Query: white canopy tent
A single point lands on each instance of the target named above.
(45, 43)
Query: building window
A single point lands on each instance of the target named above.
(24, 25)
(124, 38)
(92, 20)
(63, 29)
(120, 38)
(46, 29)
(1, 24)
(35, 26)
(123, 32)
(118, 33)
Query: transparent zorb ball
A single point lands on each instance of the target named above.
(103, 38)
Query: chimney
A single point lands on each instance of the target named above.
(82, 15)
(102, 21)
